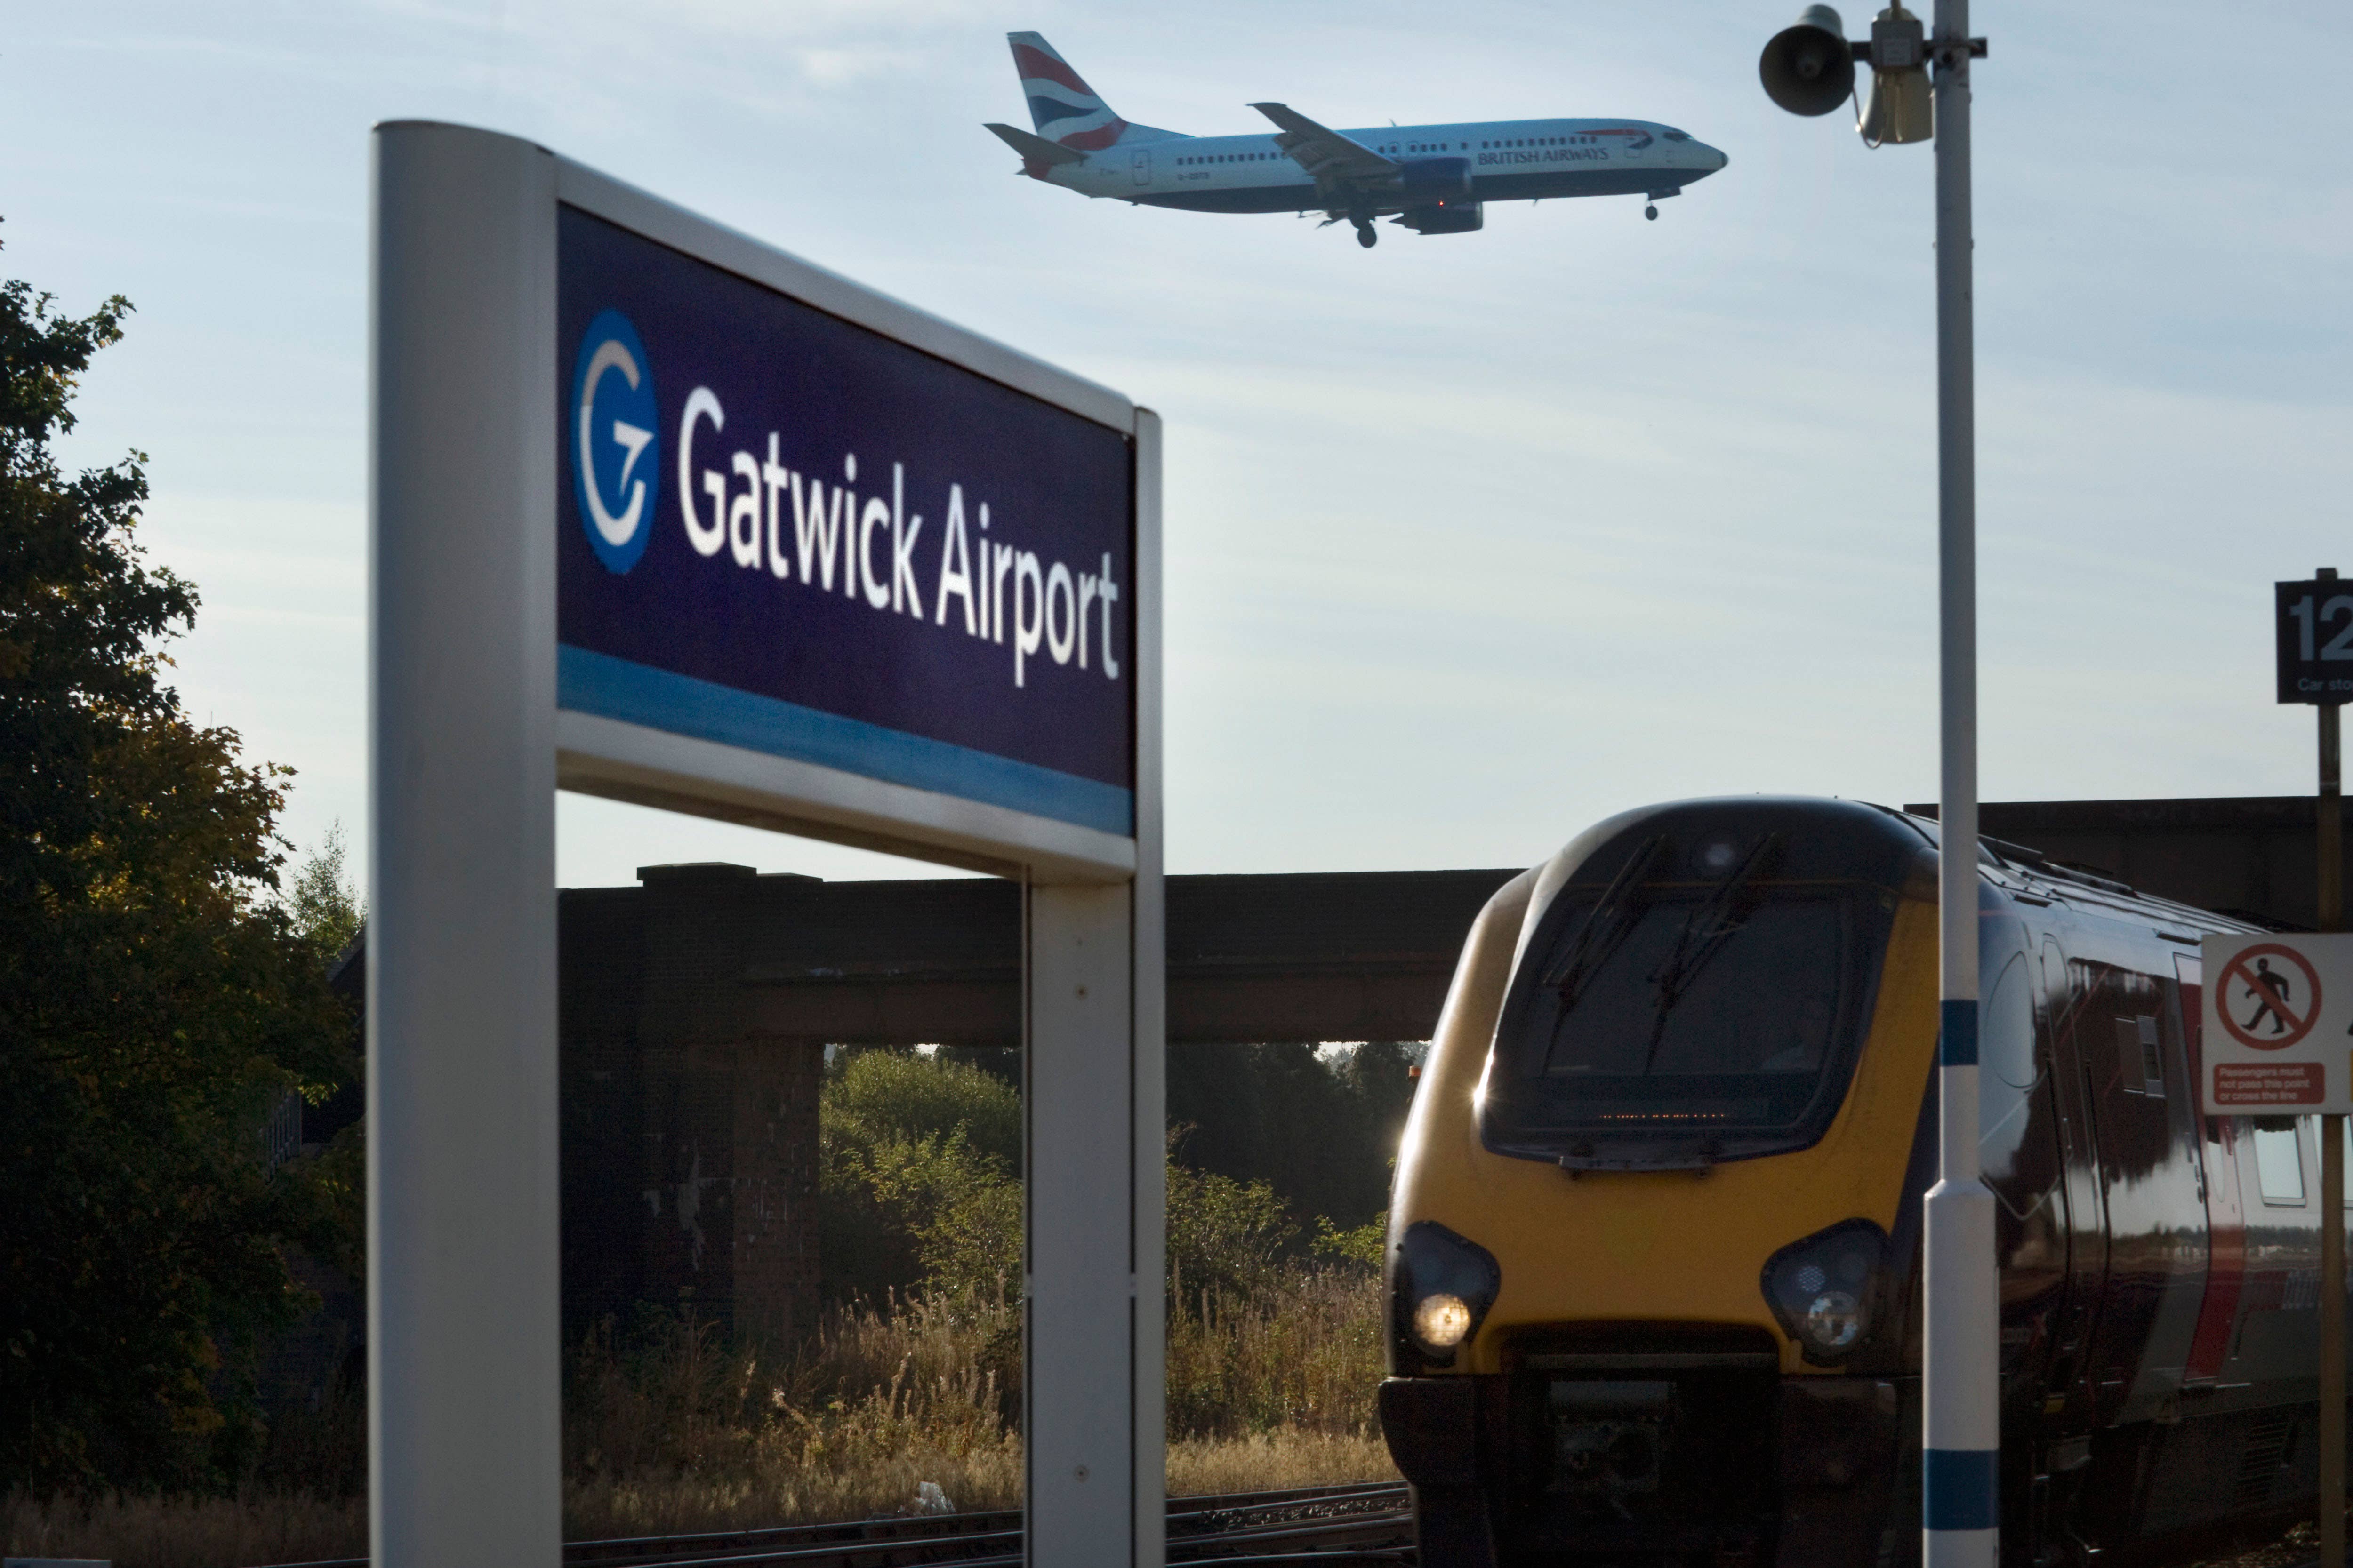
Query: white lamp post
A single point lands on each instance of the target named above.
(1809, 69)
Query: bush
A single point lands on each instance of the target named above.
(918, 1178)
(1223, 1235)
(1321, 1127)
(881, 1096)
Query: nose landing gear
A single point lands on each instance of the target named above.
(1364, 235)
(1652, 212)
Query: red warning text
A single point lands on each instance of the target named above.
(2270, 1083)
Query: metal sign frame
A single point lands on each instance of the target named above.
(469, 749)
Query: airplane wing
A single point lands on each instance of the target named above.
(1036, 149)
(1322, 152)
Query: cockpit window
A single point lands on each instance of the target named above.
(1686, 1003)
(1694, 990)
(1676, 135)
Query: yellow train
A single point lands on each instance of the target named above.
(1654, 1251)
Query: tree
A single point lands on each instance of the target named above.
(156, 1000)
(325, 907)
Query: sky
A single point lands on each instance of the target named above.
(1470, 540)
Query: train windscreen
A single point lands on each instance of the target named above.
(1662, 1019)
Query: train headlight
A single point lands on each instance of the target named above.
(1823, 1290)
(1833, 1321)
(1441, 1287)
(1442, 1320)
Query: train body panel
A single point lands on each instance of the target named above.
(1655, 1240)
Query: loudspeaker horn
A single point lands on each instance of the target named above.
(1808, 69)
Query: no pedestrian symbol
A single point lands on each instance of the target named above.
(2270, 997)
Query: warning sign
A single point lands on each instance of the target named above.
(2269, 985)
(2277, 1023)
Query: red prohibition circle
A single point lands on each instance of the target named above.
(2238, 972)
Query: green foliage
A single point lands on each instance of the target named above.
(920, 1189)
(154, 999)
(871, 1097)
(1365, 1246)
(961, 1209)
(1323, 1130)
(1223, 1235)
(324, 904)
(918, 1179)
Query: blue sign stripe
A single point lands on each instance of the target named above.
(1957, 1488)
(612, 687)
(1957, 1046)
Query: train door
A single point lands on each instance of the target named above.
(2226, 1212)
(2067, 1405)
(2140, 1124)
(2279, 1322)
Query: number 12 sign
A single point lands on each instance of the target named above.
(2314, 622)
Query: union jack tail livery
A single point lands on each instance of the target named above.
(1063, 108)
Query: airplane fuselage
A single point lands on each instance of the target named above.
(1519, 159)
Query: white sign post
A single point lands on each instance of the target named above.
(660, 514)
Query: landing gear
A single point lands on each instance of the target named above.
(1652, 212)
(1364, 235)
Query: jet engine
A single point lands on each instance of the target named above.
(1460, 218)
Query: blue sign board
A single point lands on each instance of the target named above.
(784, 532)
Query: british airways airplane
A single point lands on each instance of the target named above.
(1432, 179)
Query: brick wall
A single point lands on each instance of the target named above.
(689, 1142)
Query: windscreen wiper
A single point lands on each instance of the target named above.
(1605, 929)
(1703, 935)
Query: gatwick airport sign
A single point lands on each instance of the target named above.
(664, 514)
(788, 533)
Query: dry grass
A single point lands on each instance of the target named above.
(671, 1430)
(199, 1532)
(1200, 1466)
(681, 1435)
(1303, 1352)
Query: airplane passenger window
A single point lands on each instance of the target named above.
(2279, 1162)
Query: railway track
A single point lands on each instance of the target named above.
(1302, 1527)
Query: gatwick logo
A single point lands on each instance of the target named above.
(616, 449)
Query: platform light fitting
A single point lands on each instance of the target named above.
(1902, 106)
(1808, 69)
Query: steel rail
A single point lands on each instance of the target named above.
(1196, 1527)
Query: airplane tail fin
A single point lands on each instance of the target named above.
(1062, 105)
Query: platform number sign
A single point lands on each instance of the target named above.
(2315, 640)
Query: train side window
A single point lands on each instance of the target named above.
(2140, 1064)
(2279, 1162)
(2152, 1057)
